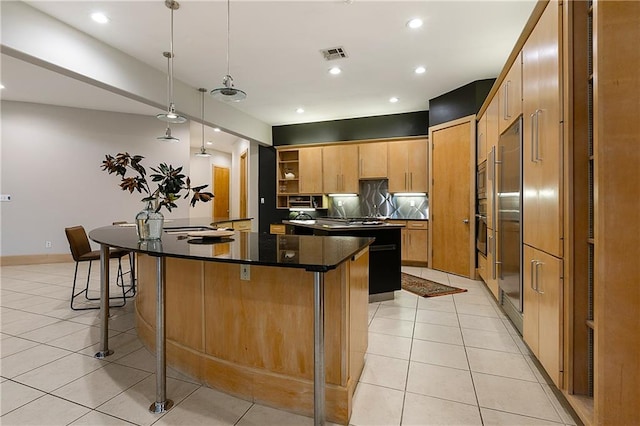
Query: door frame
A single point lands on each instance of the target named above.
(472, 185)
(244, 184)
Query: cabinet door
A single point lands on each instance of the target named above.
(349, 169)
(310, 165)
(481, 139)
(331, 178)
(398, 177)
(417, 165)
(542, 326)
(510, 95)
(417, 245)
(542, 147)
(373, 160)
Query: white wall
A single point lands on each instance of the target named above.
(201, 171)
(51, 159)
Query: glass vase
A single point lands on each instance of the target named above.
(149, 223)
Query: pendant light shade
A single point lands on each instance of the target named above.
(170, 116)
(167, 136)
(228, 92)
(203, 152)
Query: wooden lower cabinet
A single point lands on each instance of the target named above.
(542, 326)
(238, 225)
(415, 239)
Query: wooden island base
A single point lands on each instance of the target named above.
(254, 338)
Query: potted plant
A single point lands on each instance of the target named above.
(170, 183)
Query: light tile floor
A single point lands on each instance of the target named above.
(452, 359)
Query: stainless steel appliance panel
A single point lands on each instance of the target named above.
(509, 191)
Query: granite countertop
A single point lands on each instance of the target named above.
(325, 224)
(309, 252)
(228, 219)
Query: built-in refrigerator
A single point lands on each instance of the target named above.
(509, 205)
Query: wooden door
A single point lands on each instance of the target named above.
(243, 184)
(373, 160)
(417, 168)
(542, 140)
(220, 186)
(397, 170)
(452, 204)
(331, 169)
(310, 170)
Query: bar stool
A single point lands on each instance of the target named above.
(81, 252)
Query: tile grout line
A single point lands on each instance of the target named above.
(406, 380)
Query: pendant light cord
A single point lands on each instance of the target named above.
(202, 109)
(171, 61)
(228, 34)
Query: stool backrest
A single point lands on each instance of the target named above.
(78, 241)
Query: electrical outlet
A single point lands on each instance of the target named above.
(245, 273)
(262, 200)
(47, 244)
(412, 203)
(339, 203)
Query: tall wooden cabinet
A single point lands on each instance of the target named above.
(408, 166)
(542, 145)
(340, 169)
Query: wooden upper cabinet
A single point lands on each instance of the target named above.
(542, 139)
(407, 169)
(510, 95)
(310, 170)
(372, 160)
(481, 139)
(340, 169)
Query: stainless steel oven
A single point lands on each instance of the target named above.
(481, 226)
(481, 180)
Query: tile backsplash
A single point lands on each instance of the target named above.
(375, 200)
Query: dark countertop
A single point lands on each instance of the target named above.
(217, 220)
(328, 225)
(313, 253)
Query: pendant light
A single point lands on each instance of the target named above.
(203, 152)
(227, 92)
(171, 116)
(167, 136)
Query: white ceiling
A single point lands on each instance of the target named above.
(275, 52)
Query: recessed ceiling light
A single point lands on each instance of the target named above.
(414, 23)
(393, 100)
(209, 143)
(300, 110)
(99, 17)
(215, 129)
(335, 71)
(420, 70)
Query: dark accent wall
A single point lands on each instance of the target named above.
(378, 127)
(458, 103)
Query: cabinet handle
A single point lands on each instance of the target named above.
(538, 111)
(411, 181)
(532, 264)
(533, 126)
(361, 165)
(494, 266)
(465, 221)
(538, 278)
(506, 100)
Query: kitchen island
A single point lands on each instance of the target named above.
(252, 314)
(385, 261)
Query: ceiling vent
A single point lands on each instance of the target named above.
(333, 53)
